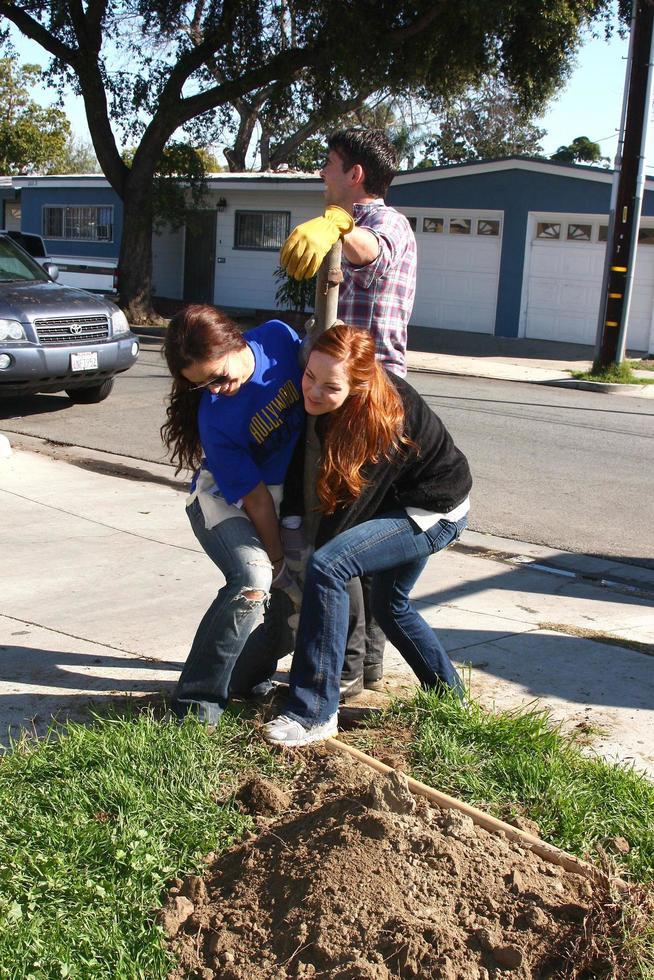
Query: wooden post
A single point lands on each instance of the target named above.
(548, 852)
(329, 279)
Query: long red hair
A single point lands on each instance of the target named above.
(368, 426)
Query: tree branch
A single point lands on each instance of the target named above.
(282, 69)
(248, 115)
(79, 23)
(95, 11)
(283, 150)
(37, 32)
(403, 34)
(196, 22)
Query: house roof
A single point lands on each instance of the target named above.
(535, 164)
(298, 181)
(293, 180)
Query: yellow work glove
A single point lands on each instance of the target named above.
(309, 243)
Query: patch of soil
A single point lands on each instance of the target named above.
(353, 878)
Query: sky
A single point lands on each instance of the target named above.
(590, 102)
(589, 105)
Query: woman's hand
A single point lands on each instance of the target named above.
(260, 508)
(284, 580)
(296, 547)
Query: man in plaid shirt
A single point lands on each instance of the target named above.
(379, 283)
(379, 247)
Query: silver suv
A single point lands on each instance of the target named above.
(55, 337)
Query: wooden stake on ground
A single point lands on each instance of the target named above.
(548, 852)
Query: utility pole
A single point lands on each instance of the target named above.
(627, 191)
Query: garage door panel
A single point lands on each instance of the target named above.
(471, 288)
(563, 291)
(458, 252)
(559, 259)
(457, 280)
(540, 292)
(455, 315)
(476, 322)
(578, 326)
(464, 258)
(545, 262)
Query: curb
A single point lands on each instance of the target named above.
(606, 388)
(486, 373)
(145, 333)
(502, 374)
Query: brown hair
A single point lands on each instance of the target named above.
(372, 149)
(368, 425)
(197, 333)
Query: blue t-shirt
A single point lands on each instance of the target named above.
(249, 437)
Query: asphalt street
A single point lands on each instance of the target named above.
(566, 468)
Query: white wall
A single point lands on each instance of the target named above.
(245, 278)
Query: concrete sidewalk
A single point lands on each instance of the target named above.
(104, 585)
(521, 359)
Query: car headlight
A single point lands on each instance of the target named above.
(11, 330)
(119, 323)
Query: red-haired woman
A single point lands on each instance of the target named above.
(234, 416)
(393, 490)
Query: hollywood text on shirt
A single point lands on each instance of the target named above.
(267, 419)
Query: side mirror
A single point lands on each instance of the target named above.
(51, 270)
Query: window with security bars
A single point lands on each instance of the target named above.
(262, 230)
(94, 223)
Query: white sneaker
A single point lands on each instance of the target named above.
(290, 734)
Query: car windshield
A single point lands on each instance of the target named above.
(16, 265)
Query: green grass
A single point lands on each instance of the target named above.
(519, 763)
(622, 373)
(645, 365)
(94, 822)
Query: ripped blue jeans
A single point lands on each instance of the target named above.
(244, 630)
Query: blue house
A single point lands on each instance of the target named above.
(516, 248)
(80, 219)
(510, 247)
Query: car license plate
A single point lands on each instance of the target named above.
(87, 361)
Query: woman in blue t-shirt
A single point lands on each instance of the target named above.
(234, 417)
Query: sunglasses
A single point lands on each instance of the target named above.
(219, 379)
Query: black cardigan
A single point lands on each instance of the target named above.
(435, 477)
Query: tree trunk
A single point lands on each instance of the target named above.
(264, 149)
(135, 262)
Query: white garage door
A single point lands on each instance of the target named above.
(458, 268)
(564, 280)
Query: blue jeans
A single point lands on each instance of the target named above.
(394, 551)
(240, 638)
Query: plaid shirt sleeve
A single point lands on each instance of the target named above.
(379, 296)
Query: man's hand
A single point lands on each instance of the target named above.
(309, 243)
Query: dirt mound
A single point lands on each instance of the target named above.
(359, 880)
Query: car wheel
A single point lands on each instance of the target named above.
(92, 394)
